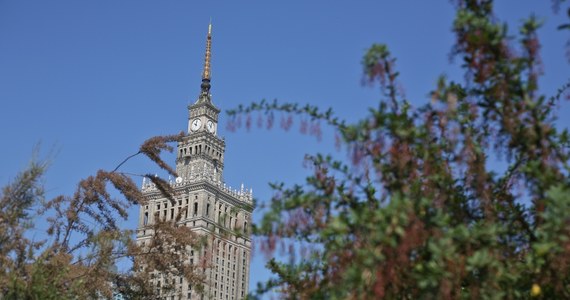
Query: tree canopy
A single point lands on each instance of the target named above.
(420, 209)
(86, 241)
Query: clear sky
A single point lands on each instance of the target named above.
(91, 80)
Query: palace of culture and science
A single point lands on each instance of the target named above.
(212, 207)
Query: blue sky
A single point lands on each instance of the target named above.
(91, 80)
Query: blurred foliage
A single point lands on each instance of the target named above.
(421, 209)
(78, 254)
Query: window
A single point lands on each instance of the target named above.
(208, 209)
(145, 221)
(195, 208)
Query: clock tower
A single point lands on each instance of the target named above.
(202, 151)
(204, 203)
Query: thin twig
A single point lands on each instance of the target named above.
(125, 160)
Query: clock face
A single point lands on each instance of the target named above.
(210, 126)
(196, 124)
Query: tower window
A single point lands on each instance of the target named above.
(145, 221)
(208, 209)
(195, 208)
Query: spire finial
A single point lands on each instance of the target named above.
(206, 75)
(210, 27)
(206, 71)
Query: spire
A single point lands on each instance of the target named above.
(206, 72)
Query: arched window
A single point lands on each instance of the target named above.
(245, 227)
(195, 208)
(208, 209)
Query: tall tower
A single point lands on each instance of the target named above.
(213, 209)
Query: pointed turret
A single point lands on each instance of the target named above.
(205, 86)
(203, 114)
(206, 71)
